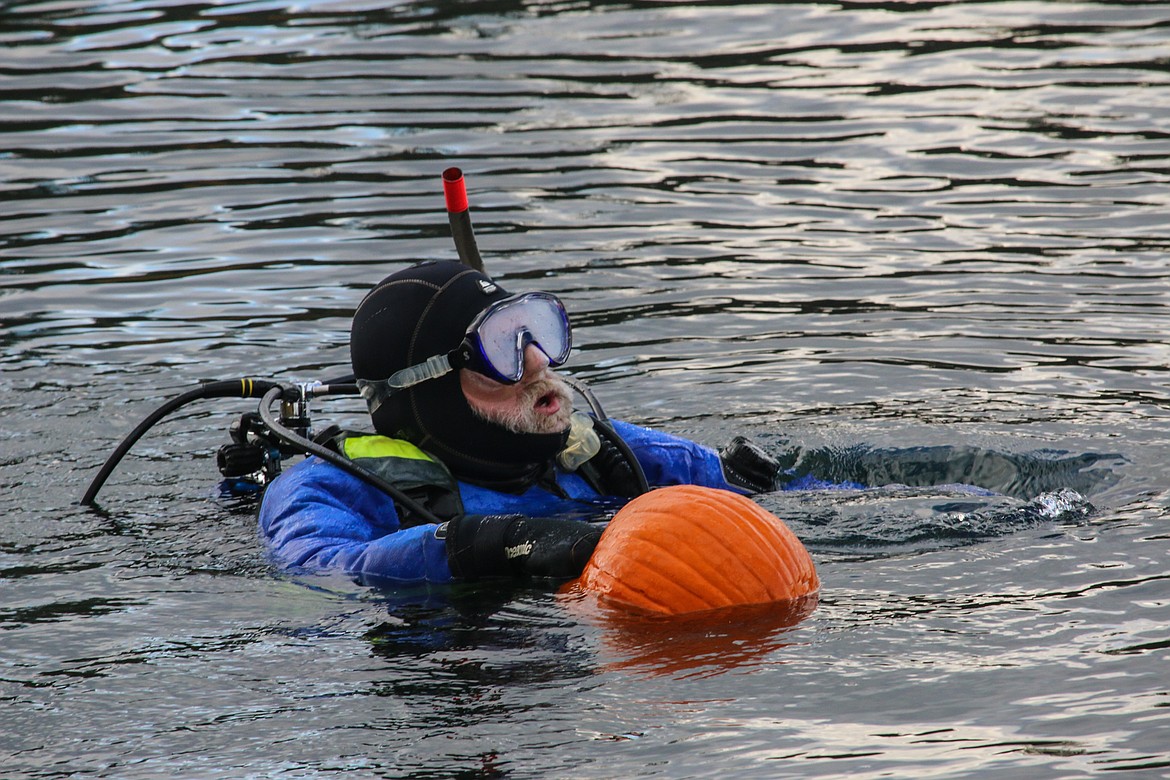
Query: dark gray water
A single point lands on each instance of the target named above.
(915, 242)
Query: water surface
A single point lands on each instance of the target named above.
(916, 242)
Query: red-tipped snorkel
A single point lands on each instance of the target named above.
(455, 191)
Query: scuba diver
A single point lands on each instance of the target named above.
(472, 423)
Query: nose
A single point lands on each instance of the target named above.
(535, 362)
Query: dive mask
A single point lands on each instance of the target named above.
(493, 345)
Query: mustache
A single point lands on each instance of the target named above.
(523, 417)
(542, 387)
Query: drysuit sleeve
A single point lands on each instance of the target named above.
(673, 460)
(317, 516)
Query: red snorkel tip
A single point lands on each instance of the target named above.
(455, 190)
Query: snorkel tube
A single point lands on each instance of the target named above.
(455, 192)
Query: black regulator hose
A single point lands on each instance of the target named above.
(310, 447)
(615, 438)
(268, 391)
(228, 388)
(601, 421)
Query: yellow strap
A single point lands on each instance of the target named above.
(382, 447)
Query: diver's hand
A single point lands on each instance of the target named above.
(748, 466)
(516, 545)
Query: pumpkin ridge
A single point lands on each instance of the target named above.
(716, 575)
(604, 583)
(782, 562)
(779, 544)
(681, 564)
(608, 582)
(791, 556)
(711, 534)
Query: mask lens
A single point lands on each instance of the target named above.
(512, 324)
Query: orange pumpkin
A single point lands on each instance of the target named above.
(685, 549)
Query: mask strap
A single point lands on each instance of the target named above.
(433, 368)
(378, 391)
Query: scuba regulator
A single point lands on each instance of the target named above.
(256, 450)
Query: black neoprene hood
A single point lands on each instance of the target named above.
(415, 314)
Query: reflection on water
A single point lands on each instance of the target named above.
(917, 243)
(705, 644)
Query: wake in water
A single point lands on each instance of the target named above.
(1022, 475)
(930, 498)
(898, 520)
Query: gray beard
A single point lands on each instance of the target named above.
(524, 418)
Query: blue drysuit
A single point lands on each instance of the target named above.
(318, 516)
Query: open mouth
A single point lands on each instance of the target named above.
(548, 403)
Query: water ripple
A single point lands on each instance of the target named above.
(850, 230)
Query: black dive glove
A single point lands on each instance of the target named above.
(746, 465)
(514, 545)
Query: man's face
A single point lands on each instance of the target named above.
(541, 402)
